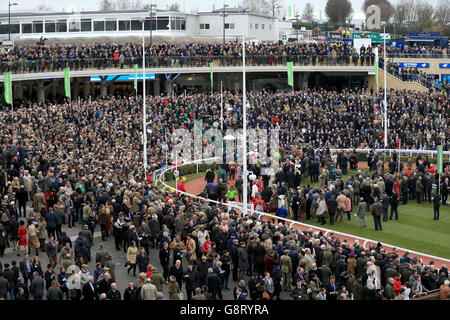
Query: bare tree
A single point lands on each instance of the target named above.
(424, 15)
(405, 13)
(174, 7)
(386, 8)
(43, 8)
(308, 12)
(106, 5)
(338, 10)
(263, 7)
(110, 5)
(442, 13)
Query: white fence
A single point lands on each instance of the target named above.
(238, 206)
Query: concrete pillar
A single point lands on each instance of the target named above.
(40, 90)
(237, 83)
(86, 87)
(76, 88)
(103, 88)
(168, 87)
(156, 87)
(304, 83)
(54, 90)
(19, 92)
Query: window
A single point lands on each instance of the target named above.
(270, 27)
(99, 25)
(183, 24)
(162, 23)
(86, 25)
(147, 23)
(256, 26)
(262, 26)
(204, 26)
(61, 26)
(136, 25)
(111, 25)
(124, 25)
(74, 25)
(229, 25)
(251, 25)
(27, 28)
(173, 24)
(38, 27)
(4, 28)
(50, 26)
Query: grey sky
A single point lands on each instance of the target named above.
(202, 5)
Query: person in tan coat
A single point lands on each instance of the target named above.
(131, 257)
(33, 242)
(39, 202)
(341, 200)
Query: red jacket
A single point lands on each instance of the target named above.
(180, 186)
(255, 203)
(397, 286)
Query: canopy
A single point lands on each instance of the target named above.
(421, 39)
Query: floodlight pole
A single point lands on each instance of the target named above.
(244, 130)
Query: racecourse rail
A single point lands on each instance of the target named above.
(161, 173)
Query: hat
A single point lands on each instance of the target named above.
(54, 283)
(105, 269)
(84, 265)
(80, 233)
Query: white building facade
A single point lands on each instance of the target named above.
(175, 26)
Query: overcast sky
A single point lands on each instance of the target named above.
(189, 5)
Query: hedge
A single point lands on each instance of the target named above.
(190, 169)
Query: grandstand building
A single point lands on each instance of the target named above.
(165, 25)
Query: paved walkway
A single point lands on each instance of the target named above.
(196, 186)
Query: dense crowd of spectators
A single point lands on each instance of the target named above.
(418, 51)
(39, 58)
(81, 166)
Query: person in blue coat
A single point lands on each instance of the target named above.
(276, 275)
(282, 212)
(50, 218)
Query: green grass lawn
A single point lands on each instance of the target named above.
(189, 177)
(414, 230)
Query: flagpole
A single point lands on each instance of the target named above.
(144, 110)
(221, 106)
(385, 89)
(12, 99)
(244, 131)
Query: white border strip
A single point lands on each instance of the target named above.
(159, 180)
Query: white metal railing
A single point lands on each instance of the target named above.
(410, 152)
(236, 205)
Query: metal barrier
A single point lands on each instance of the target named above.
(239, 207)
(409, 152)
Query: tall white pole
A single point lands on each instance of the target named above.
(221, 107)
(244, 130)
(144, 109)
(385, 95)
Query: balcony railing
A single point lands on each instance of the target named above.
(54, 65)
(407, 75)
(418, 55)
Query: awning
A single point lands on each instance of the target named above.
(421, 39)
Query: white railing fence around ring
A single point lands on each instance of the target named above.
(259, 213)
